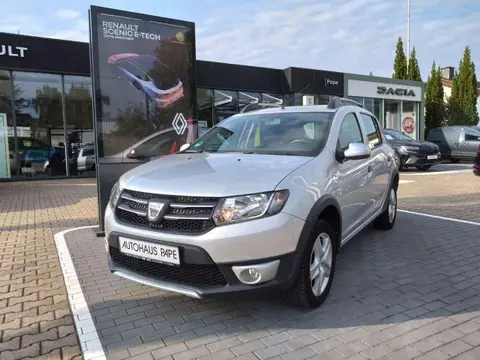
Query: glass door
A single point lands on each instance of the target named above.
(392, 114)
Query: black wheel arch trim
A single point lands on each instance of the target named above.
(314, 214)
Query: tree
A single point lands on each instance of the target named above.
(434, 102)
(371, 74)
(462, 105)
(413, 67)
(400, 64)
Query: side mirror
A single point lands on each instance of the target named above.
(184, 147)
(132, 154)
(357, 151)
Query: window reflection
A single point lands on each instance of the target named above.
(205, 107)
(80, 136)
(38, 117)
(226, 104)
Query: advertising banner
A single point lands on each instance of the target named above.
(143, 75)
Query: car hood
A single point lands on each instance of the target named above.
(211, 174)
(420, 144)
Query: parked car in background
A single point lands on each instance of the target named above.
(412, 153)
(476, 163)
(86, 159)
(457, 143)
(149, 75)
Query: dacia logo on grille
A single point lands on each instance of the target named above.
(155, 210)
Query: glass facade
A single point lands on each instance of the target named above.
(394, 114)
(49, 124)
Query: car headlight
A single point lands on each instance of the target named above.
(248, 207)
(115, 195)
(411, 148)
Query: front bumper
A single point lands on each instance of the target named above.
(209, 261)
(417, 159)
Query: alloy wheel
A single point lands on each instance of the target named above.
(392, 205)
(320, 264)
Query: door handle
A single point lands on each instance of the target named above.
(370, 168)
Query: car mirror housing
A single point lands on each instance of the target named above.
(184, 147)
(356, 151)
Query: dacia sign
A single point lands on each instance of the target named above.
(383, 90)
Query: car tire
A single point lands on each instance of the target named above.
(454, 161)
(308, 293)
(423, 167)
(386, 220)
(398, 161)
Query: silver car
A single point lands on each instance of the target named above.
(261, 202)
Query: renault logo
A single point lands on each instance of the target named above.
(156, 209)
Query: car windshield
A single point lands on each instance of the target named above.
(288, 133)
(395, 135)
(161, 75)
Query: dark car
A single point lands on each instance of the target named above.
(457, 142)
(412, 153)
(149, 75)
(476, 163)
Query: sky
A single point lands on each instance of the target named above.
(355, 36)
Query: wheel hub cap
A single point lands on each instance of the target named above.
(320, 263)
(392, 205)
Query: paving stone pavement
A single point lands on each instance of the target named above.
(409, 293)
(35, 319)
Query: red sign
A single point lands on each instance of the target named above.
(408, 125)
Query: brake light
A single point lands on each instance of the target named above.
(171, 97)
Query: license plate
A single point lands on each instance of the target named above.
(431, 157)
(149, 251)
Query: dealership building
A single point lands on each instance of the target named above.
(45, 93)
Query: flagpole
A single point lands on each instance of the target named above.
(408, 31)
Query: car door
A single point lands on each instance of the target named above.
(468, 147)
(81, 160)
(378, 163)
(353, 178)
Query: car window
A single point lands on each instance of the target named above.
(287, 133)
(349, 132)
(87, 152)
(372, 130)
(472, 134)
(132, 69)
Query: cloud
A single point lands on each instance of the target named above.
(67, 14)
(345, 35)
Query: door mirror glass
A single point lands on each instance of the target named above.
(357, 151)
(184, 147)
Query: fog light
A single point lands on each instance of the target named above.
(256, 274)
(250, 276)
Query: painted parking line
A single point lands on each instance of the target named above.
(439, 217)
(405, 181)
(87, 333)
(438, 172)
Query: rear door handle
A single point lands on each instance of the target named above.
(370, 168)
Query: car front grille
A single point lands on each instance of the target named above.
(184, 214)
(189, 274)
(428, 151)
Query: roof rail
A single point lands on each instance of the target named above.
(336, 102)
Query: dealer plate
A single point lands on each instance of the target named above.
(431, 157)
(149, 251)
